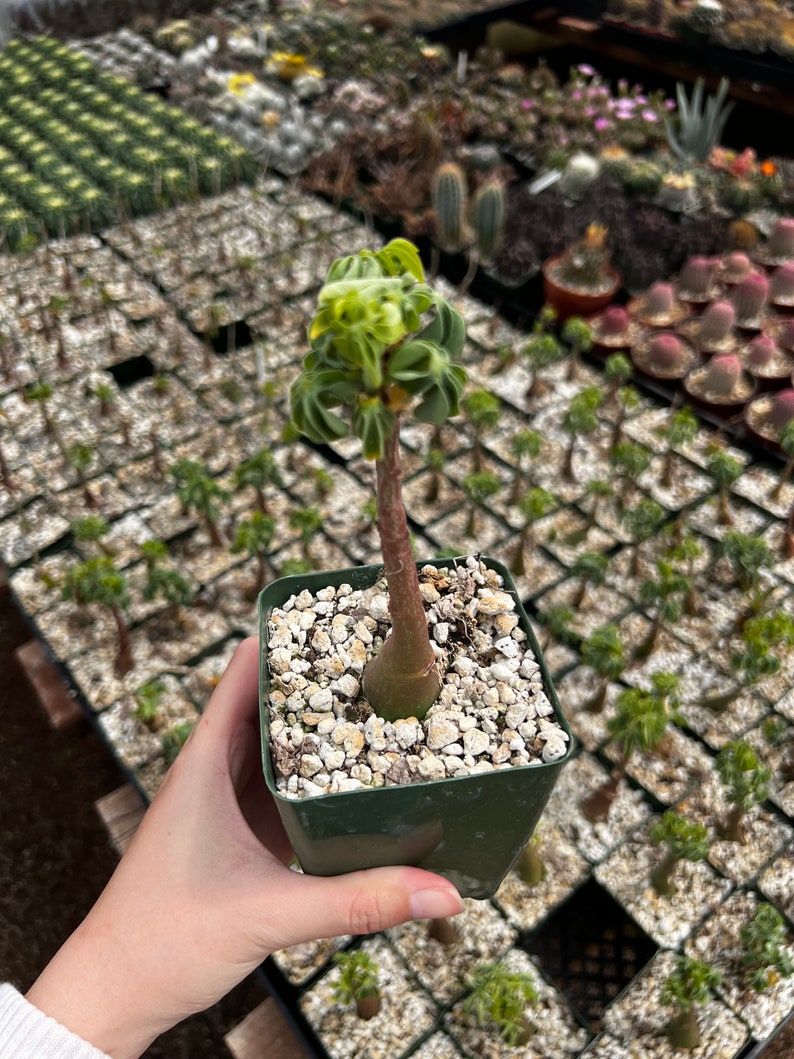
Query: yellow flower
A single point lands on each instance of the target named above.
(240, 83)
(288, 66)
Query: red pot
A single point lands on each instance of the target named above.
(569, 302)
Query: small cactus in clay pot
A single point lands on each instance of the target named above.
(664, 355)
(713, 331)
(750, 298)
(735, 267)
(722, 383)
(696, 283)
(779, 248)
(769, 414)
(781, 286)
(658, 306)
(614, 329)
(770, 365)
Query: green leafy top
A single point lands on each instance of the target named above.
(500, 996)
(371, 353)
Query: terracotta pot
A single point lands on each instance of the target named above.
(569, 302)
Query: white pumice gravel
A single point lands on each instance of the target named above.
(493, 711)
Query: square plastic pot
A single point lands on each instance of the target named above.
(469, 829)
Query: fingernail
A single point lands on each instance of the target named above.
(436, 903)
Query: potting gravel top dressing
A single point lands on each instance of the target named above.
(492, 711)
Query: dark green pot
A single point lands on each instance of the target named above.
(469, 829)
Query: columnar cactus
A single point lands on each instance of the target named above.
(761, 351)
(697, 276)
(716, 323)
(450, 197)
(781, 285)
(780, 246)
(722, 374)
(659, 301)
(750, 296)
(488, 218)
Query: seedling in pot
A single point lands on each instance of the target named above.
(749, 556)
(589, 568)
(478, 486)
(483, 410)
(253, 537)
(164, 580)
(690, 983)
(174, 739)
(746, 782)
(541, 351)
(90, 529)
(500, 997)
(373, 355)
(686, 549)
(257, 472)
(533, 505)
(639, 724)
(643, 521)
(576, 332)
(579, 420)
(764, 636)
(307, 522)
(630, 462)
(681, 431)
(665, 596)
(763, 954)
(683, 840)
(199, 491)
(597, 490)
(358, 982)
(525, 444)
(725, 469)
(80, 456)
(148, 699)
(98, 581)
(602, 650)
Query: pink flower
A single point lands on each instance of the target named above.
(743, 163)
(602, 123)
(527, 104)
(641, 99)
(650, 115)
(586, 69)
(669, 104)
(576, 94)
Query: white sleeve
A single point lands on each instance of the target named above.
(27, 1033)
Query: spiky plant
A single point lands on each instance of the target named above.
(683, 840)
(690, 984)
(501, 997)
(763, 954)
(358, 982)
(746, 783)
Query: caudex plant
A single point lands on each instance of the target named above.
(745, 780)
(683, 840)
(98, 581)
(358, 982)
(373, 355)
(764, 637)
(639, 724)
(501, 997)
(764, 956)
(690, 983)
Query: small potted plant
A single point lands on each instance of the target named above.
(381, 685)
(581, 280)
(691, 983)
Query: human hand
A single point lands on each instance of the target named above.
(204, 893)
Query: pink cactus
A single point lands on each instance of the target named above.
(761, 351)
(667, 353)
(658, 300)
(781, 284)
(721, 374)
(716, 322)
(785, 335)
(750, 296)
(781, 410)
(614, 321)
(736, 266)
(697, 275)
(781, 240)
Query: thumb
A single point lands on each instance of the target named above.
(364, 902)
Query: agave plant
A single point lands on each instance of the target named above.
(700, 122)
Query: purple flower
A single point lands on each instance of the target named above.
(591, 112)
(602, 123)
(650, 115)
(527, 104)
(577, 94)
(623, 115)
(640, 99)
(586, 69)
(669, 104)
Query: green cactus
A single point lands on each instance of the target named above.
(488, 218)
(450, 198)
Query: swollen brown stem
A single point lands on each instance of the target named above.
(123, 663)
(402, 680)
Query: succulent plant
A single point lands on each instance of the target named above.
(781, 285)
(488, 219)
(750, 296)
(780, 245)
(614, 321)
(721, 374)
(700, 123)
(781, 410)
(761, 351)
(659, 300)
(716, 323)
(667, 355)
(697, 276)
(735, 266)
(450, 197)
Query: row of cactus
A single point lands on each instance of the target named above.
(461, 224)
(76, 144)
